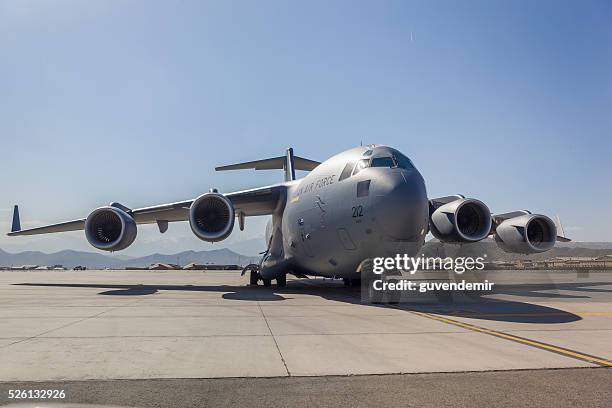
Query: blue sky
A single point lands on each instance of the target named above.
(137, 101)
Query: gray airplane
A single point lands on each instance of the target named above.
(366, 202)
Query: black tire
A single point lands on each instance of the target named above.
(346, 281)
(375, 296)
(267, 283)
(254, 278)
(444, 297)
(281, 281)
(393, 297)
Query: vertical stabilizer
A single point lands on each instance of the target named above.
(289, 166)
(16, 222)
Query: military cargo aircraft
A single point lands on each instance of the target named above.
(366, 202)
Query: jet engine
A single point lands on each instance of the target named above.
(211, 217)
(110, 229)
(461, 220)
(526, 234)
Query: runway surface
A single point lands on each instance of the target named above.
(112, 325)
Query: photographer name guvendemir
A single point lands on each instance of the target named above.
(422, 287)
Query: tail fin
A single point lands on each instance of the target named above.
(16, 222)
(288, 162)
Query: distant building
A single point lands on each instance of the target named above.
(606, 260)
(564, 262)
(206, 267)
(163, 266)
(559, 262)
(24, 267)
(194, 267)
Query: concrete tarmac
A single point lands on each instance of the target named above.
(72, 326)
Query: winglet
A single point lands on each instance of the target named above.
(559, 226)
(16, 222)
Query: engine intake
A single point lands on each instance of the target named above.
(211, 217)
(110, 229)
(462, 220)
(526, 234)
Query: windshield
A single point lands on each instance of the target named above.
(383, 162)
(346, 172)
(402, 161)
(361, 164)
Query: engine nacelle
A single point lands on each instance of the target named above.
(110, 229)
(211, 217)
(462, 220)
(526, 234)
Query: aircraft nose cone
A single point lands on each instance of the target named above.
(401, 206)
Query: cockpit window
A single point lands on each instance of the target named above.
(361, 164)
(383, 162)
(346, 172)
(367, 153)
(402, 161)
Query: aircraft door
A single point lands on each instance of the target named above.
(360, 200)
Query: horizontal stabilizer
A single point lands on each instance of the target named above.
(279, 162)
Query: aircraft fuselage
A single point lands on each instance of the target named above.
(365, 202)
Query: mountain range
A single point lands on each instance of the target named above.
(434, 248)
(70, 259)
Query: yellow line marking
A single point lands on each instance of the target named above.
(555, 349)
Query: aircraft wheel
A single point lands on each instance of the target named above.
(281, 281)
(375, 296)
(393, 297)
(254, 278)
(267, 283)
(444, 297)
(346, 281)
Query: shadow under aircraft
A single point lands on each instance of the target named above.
(473, 307)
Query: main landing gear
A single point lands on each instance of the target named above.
(351, 282)
(255, 277)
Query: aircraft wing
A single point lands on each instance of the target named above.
(496, 219)
(256, 201)
(74, 225)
